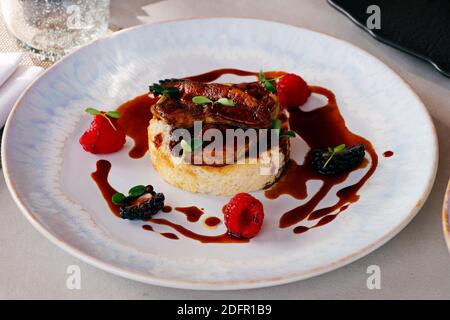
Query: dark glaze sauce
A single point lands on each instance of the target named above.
(135, 116)
(212, 222)
(167, 235)
(192, 214)
(320, 128)
(223, 238)
(388, 154)
(325, 220)
(216, 74)
(166, 209)
(100, 176)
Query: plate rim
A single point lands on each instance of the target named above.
(219, 285)
(446, 216)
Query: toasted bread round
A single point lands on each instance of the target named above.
(255, 174)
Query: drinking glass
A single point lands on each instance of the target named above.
(53, 28)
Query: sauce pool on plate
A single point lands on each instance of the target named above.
(320, 128)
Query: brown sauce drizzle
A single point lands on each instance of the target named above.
(321, 128)
(193, 214)
(100, 176)
(388, 154)
(216, 74)
(213, 222)
(135, 116)
(167, 209)
(322, 222)
(223, 238)
(167, 235)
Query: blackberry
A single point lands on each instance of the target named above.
(341, 160)
(143, 207)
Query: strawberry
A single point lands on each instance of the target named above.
(105, 135)
(244, 216)
(292, 91)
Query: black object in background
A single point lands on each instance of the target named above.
(419, 27)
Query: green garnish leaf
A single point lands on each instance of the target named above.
(201, 100)
(92, 111)
(113, 114)
(168, 92)
(206, 100)
(339, 148)
(290, 134)
(171, 92)
(226, 102)
(276, 124)
(268, 85)
(136, 191)
(333, 152)
(107, 115)
(262, 76)
(157, 89)
(118, 198)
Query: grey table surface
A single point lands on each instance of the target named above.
(414, 265)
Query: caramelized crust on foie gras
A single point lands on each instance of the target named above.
(254, 107)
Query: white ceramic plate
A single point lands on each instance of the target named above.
(48, 174)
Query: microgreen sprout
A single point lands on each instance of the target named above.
(268, 83)
(118, 198)
(164, 92)
(276, 125)
(206, 100)
(135, 192)
(333, 151)
(289, 134)
(107, 115)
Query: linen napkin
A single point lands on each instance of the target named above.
(13, 80)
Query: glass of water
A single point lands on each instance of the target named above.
(52, 28)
